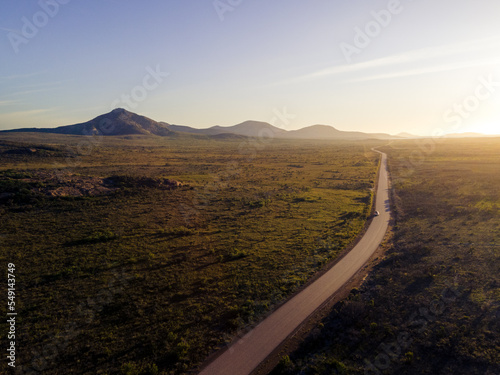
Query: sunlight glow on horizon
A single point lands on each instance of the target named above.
(224, 72)
(486, 129)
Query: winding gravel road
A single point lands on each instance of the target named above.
(247, 353)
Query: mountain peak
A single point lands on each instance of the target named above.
(117, 122)
(119, 110)
(123, 122)
(320, 126)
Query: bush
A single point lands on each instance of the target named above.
(284, 366)
(408, 357)
(176, 232)
(130, 368)
(235, 255)
(97, 237)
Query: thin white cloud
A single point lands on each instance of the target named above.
(20, 76)
(32, 88)
(8, 102)
(26, 92)
(30, 112)
(424, 55)
(429, 70)
(20, 93)
(49, 84)
(10, 30)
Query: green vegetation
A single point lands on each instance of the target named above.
(431, 305)
(120, 269)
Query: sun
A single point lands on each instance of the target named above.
(488, 129)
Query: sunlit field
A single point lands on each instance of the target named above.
(431, 306)
(141, 255)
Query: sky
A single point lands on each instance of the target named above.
(417, 66)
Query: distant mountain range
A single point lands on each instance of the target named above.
(247, 129)
(453, 135)
(469, 135)
(122, 122)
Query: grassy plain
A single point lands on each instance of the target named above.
(432, 305)
(118, 272)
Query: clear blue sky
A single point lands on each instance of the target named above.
(432, 65)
